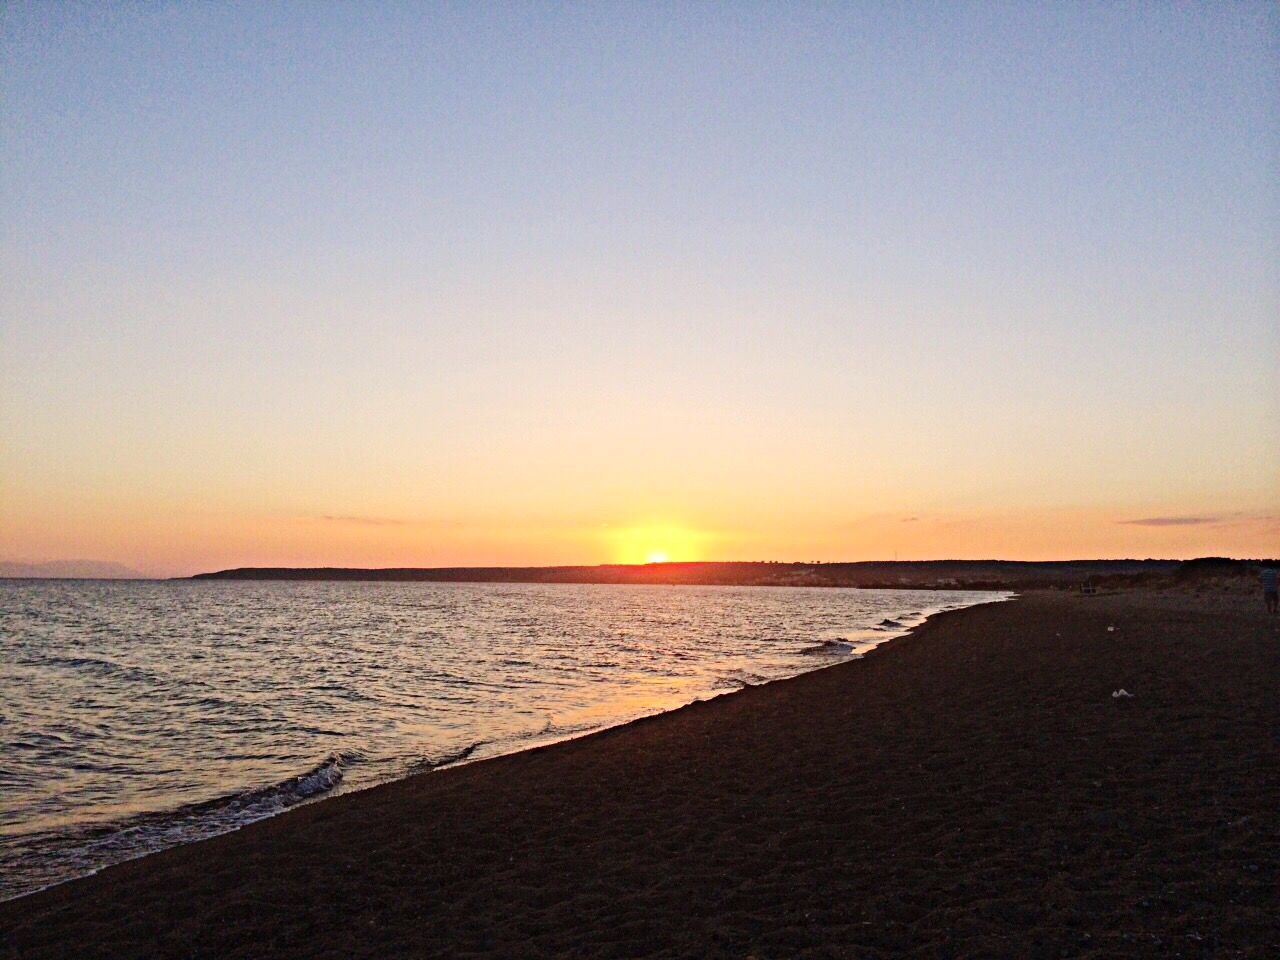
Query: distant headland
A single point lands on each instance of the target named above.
(931, 574)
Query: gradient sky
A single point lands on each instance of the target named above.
(416, 284)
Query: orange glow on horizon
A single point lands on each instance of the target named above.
(185, 537)
(657, 543)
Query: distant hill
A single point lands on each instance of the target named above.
(71, 570)
(958, 574)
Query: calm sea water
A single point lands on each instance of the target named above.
(138, 715)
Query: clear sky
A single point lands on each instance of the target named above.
(415, 284)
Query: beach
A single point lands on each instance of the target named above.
(972, 789)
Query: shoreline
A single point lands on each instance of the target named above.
(464, 755)
(956, 791)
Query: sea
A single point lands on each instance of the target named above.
(138, 715)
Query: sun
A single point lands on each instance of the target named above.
(655, 543)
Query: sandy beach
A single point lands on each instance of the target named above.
(970, 790)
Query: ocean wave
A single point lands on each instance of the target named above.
(829, 646)
(427, 764)
(839, 646)
(85, 849)
(99, 667)
(457, 756)
(742, 679)
(263, 801)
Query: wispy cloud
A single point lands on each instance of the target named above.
(1171, 521)
(363, 521)
(1264, 520)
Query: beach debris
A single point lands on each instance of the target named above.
(1121, 694)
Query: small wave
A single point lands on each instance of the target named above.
(321, 778)
(39, 740)
(551, 729)
(342, 692)
(98, 667)
(888, 622)
(457, 756)
(92, 846)
(830, 646)
(426, 764)
(319, 731)
(741, 679)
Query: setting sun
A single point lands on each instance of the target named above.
(657, 543)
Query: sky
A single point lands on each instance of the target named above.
(459, 284)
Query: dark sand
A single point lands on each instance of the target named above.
(972, 790)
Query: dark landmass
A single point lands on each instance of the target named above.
(975, 574)
(942, 574)
(972, 790)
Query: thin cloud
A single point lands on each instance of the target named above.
(1263, 520)
(364, 521)
(1171, 521)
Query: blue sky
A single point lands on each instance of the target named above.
(519, 272)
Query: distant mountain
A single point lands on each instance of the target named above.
(972, 574)
(71, 570)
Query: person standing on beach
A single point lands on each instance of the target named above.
(1269, 590)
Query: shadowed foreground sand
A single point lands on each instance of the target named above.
(972, 790)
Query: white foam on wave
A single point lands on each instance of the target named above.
(81, 853)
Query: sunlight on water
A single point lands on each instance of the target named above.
(138, 715)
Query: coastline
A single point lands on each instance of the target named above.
(329, 777)
(786, 818)
(867, 574)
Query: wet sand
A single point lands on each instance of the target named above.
(971, 790)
